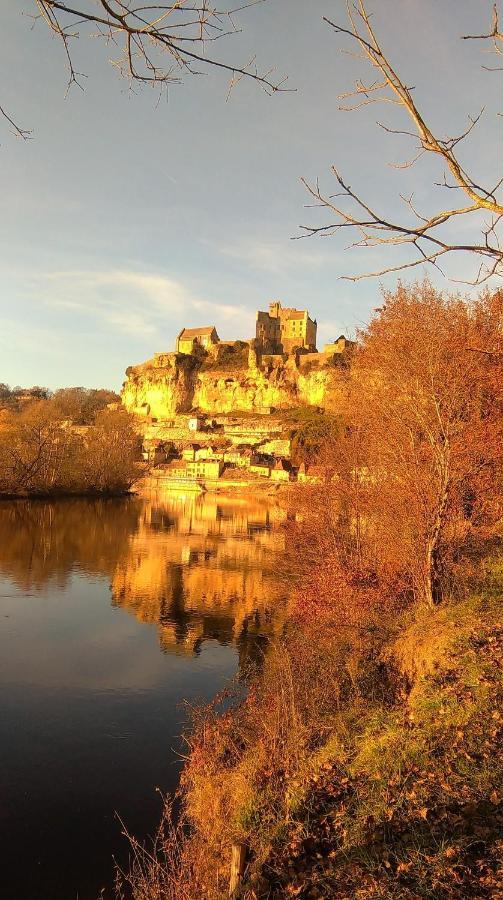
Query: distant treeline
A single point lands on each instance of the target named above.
(76, 403)
(72, 441)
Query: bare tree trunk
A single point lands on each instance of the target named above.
(433, 579)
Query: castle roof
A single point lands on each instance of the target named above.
(297, 313)
(195, 332)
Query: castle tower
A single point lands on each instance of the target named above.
(284, 329)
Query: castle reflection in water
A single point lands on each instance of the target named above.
(198, 567)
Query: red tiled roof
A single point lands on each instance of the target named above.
(195, 332)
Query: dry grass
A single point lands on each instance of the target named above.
(406, 799)
(171, 866)
(359, 765)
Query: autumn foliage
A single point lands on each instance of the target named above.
(359, 763)
(419, 464)
(42, 453)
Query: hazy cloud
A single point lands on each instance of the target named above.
(277, 257)
(136, 303)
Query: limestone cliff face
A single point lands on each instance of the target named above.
(322, 387)
(161, 387)
(172, 383)
(251, 390)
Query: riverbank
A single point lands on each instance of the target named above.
(405, 797)
(67, 495)
(44, 455)
(364, 763)
(156, 480)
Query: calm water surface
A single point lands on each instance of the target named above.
(111, 614)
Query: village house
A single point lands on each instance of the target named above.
(176, 470)
(281, 471)
(192, 470)
(237, 456)
(260, 467)
(208, 452)
(191, 339)
(195, 423)
(154, 452)
(205, 468)
(189, 453)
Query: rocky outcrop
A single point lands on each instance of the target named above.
(173, 383)
(322, 386)
(161, 387)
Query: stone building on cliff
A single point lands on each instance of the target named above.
(190, 339)
(279, 369)
(284, 329)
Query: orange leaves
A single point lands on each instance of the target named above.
(428, 419)
(403, 867)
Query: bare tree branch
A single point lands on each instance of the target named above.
(157, 43)
(423, 233)
(18, 131)
(495, 34)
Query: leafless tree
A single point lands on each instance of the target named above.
(156, 44)
(423, 234)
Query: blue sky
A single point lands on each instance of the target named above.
(124, 219)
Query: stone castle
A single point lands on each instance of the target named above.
(279, 368)
(281, 330)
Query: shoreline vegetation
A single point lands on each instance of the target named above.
(363, 761)
(67, 495)
(72, 443)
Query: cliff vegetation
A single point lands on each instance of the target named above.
(235, 379)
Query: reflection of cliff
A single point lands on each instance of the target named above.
(198, 568)
(203, 568)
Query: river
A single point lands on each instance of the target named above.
(112, 614)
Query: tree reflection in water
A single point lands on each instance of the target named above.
(113, 612)
(199, 567)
